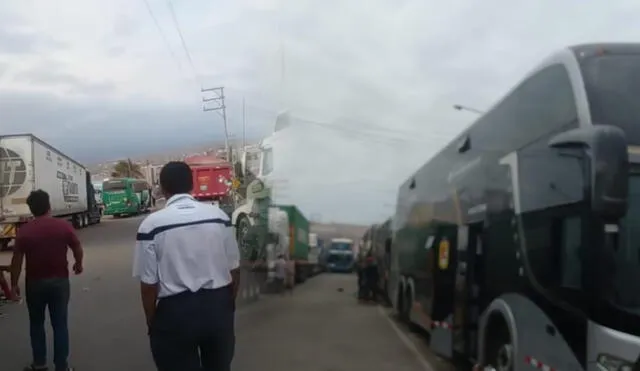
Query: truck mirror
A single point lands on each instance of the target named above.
(607, 157)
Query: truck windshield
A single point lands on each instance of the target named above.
(115, 185)
(612, 84)
(267, 161)
(342, 246)
(626, 273)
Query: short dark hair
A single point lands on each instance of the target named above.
(175, 178)
(38, 202)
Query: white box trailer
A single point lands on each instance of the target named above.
(28, 163)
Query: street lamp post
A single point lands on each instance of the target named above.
(460, 107)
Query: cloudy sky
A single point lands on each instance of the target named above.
(377, 78)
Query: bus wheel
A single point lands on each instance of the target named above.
(406, 305)
(400, 303)
(499, 344)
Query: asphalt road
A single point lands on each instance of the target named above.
(318, 328)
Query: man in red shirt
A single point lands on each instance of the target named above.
(43, 242)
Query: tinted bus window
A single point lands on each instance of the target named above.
(114, 185)
(541, 104)
(612, 83)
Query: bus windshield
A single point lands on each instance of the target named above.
(612, 84)
(627, 257)
(114, 185)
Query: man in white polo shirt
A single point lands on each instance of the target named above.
(187, 260)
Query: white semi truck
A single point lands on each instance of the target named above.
(28, 163)
(243, 217)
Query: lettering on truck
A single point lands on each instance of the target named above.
(69, 187)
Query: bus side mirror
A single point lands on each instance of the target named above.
(607, 157)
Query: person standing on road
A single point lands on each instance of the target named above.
(43, 242)
(188, 263)
(280, 274)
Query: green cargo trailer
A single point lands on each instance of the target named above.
(298, 242)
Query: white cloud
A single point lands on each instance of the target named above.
(396, 66)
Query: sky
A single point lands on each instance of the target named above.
(373, 81)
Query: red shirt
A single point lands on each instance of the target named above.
(44, 242)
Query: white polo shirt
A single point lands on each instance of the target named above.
(187, 245)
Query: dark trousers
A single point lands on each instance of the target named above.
(51, 293)
(194, 331)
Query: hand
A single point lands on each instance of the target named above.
(77, 268)
(15, 293)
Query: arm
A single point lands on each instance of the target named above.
(145, 268)
(76, 249)
(233, 258)
(17, 261)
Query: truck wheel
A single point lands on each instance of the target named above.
(242, 228)
(75, 221)
(83, 221)
(4, 244)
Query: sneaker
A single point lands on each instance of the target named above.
(34, 368)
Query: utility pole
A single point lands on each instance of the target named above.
(219, 98)
(244, 127)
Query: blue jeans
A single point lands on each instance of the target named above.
(52, 293)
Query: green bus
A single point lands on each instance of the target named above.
(126, 196)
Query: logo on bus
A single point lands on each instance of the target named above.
(443, 254)
(13, 172)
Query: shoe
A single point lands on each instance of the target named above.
(34, 368)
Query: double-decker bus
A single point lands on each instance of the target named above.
(126, 196)
(518, 244)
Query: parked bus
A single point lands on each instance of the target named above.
(126, 196)
(517, 245)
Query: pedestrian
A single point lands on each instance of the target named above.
(43, 243)
(280, 274)
(188, 263)
(372, 279)
(290, 282)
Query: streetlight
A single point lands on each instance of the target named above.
(460, 107)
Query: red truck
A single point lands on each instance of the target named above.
(212, 179)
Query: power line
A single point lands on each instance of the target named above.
(162, 34)
(184, 44)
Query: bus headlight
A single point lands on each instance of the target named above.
(607, 362)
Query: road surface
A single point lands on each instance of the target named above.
(318, 328)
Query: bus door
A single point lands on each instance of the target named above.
(469, 275)
(444, 283)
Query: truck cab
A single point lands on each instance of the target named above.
(261, 160)
(341, 255)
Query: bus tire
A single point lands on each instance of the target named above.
(499, 345)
